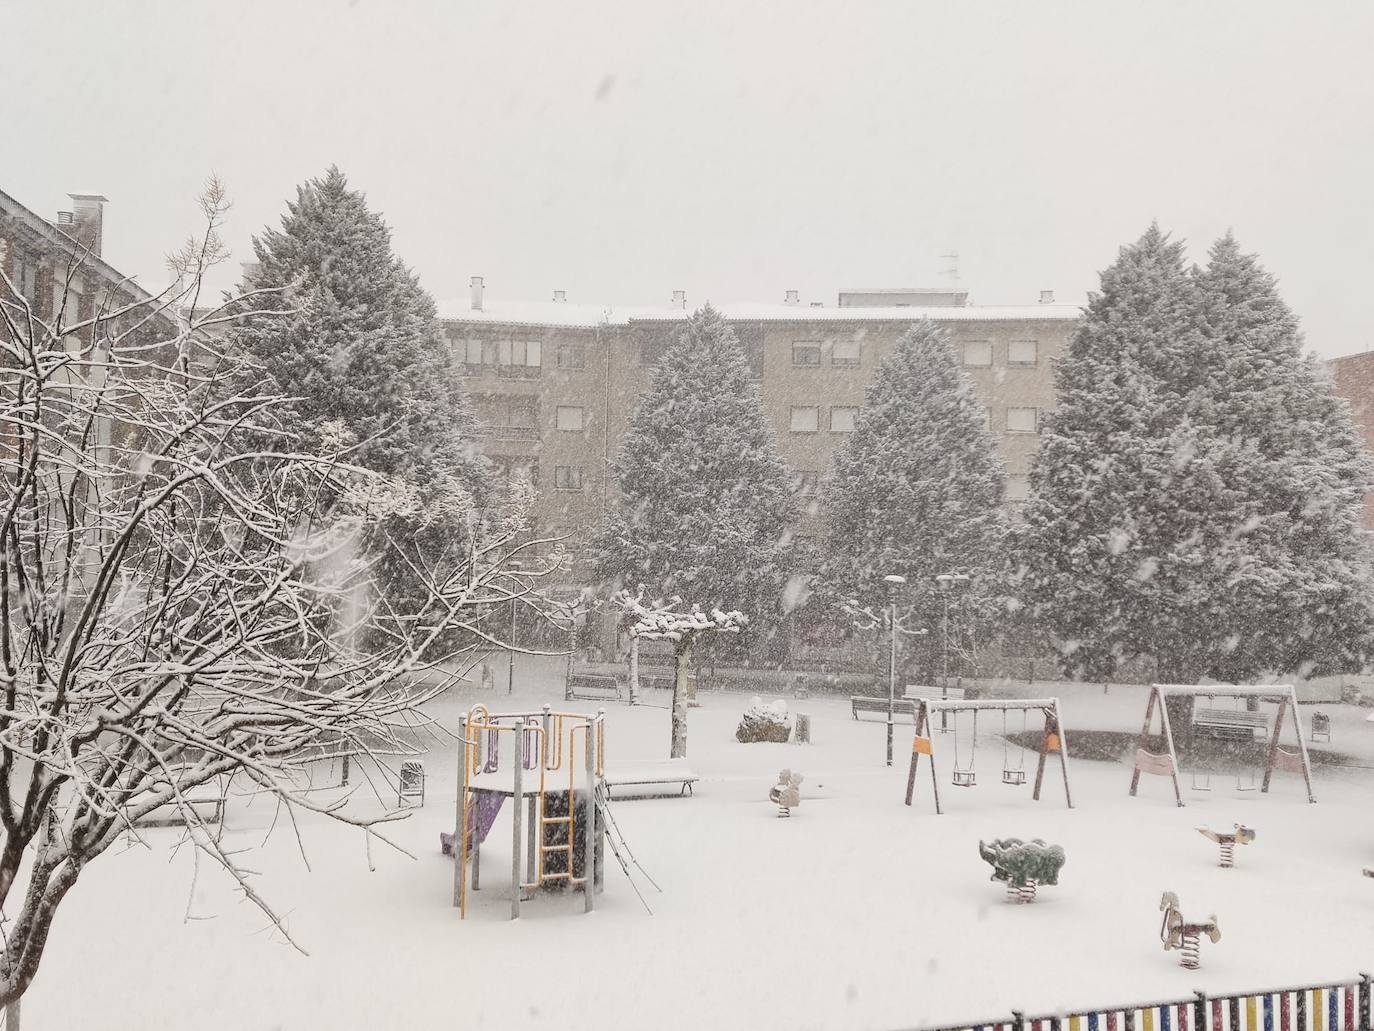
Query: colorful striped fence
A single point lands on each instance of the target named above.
(1343, 1006)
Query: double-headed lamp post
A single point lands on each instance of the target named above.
(870, 620)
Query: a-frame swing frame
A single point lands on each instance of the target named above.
(1167, 765)
(1053, 739)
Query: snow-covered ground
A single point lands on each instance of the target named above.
(856, 913)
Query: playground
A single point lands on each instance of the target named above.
(856, 912)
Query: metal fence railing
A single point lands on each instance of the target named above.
(1338, 1006)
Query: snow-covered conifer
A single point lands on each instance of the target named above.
(917, 488)
(1173, 514)
(373, 377)
(705, 501)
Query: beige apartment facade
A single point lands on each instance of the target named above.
(554, 385)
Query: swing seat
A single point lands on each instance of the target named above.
(964, 778)
(1013, 776)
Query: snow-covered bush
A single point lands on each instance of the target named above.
(765, 721)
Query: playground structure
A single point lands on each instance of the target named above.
(1228, 840)
(1022, 865)
(964, 773)
(1178, 933)
(557, 839)
(1227, 724)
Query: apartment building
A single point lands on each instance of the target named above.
(56, 265)
(554, 384)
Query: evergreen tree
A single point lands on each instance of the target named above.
(1157, 525)
(362, 352)
(1301, 581)
(917, 488)
(705, 501)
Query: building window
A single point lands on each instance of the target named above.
(570, 418)
(1022, 420)
(571, 356)
(805, 419)
(846, 352)
(808, 482)
(1018, 488)
(985, 417)
(472, 353)
(1023, 352)
(978, 353)
(842, 419)
(567, 477)
(806, 354)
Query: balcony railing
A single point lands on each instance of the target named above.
(503, 371)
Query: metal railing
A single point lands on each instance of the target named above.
(1330, 1006)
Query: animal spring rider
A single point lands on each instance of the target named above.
(1177, 933)
(1022, 865)
(1228, 840)
(786, 793)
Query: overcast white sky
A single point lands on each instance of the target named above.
(620, 151)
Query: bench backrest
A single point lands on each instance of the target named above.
(412, 778)
(1229, 718)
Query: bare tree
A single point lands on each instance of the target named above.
(669, 621)
(184, 596)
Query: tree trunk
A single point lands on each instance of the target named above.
(682, 661)
(634, 670)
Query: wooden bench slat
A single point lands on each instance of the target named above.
(870, 703)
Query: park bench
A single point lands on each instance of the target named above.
(635, 778)
(869, 703)
(1229, 724)
(206, 801)
(592, 686)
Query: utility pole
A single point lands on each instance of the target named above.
(510, 650)
(893, 582)
(946, 581)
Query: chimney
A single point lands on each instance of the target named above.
(680, 299)
(1046, 296)
(476, 293)
(88, 216)
(793, 297)
(560, 296)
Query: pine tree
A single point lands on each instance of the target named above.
(705, 504)
(362, 352)
(1301, 583)
(917, 488)
(1156, 526)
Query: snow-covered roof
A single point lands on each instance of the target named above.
(558, 313)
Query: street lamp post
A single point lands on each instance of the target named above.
(867, 619)
(893, 582)
(947, 581)
(510, 650)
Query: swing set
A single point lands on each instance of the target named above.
(1013, 772)
(1238, 724)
